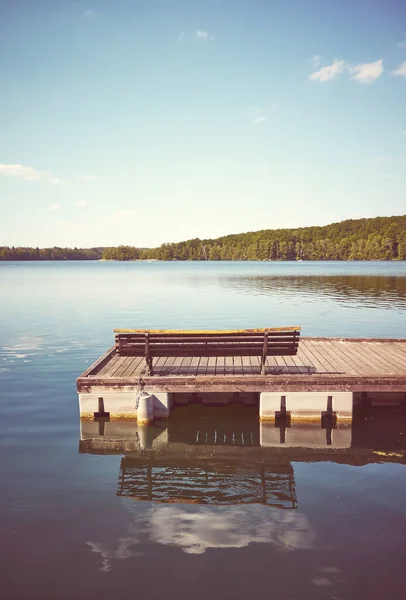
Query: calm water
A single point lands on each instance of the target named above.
(73, 527)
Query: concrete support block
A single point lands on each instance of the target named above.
(162, 403)
(306, 405)
(119, 405)
(145, 413)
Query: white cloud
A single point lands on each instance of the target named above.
(88, 177)
(367, 72)
(53, 207)
(81, 203)
(204, 35)
(316, 60)
(197, 529)
(403, 132)
(401, 71)
(27, 173)
(328, 72)
(260, 119)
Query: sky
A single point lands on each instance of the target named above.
(143, 122)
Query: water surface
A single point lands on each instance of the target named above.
(65, 531)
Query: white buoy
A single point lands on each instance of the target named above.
(145, 411)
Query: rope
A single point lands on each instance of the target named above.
(140, 391)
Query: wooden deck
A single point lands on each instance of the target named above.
(346, 364)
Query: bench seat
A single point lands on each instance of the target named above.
(151, 343)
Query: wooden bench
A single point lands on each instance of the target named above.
(246, 342)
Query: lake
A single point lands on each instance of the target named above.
(77, 523)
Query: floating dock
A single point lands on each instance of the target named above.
(323, 378)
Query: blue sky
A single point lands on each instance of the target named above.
(148, 121)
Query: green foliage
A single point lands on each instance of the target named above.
(55, 253)
(381, 238)
(121, 253)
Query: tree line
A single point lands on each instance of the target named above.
(22, 253)
(380, 238)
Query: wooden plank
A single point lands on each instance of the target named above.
(194, 365)
(377, 363)
(385, 356)
(98, 365)
(400, 348)
(172, 365)
(291, 365)
(238, 366)
(362, 360)
(206, 331)
(211, 365)
(186, 362)
(306, 359)
(253, 383)
(309, 347)
(246, 365)
(298, 362)
(338, 358)
(329, 366)
(220, 365)
(391, 354)
(114, 365)
(204, 361)
(125, 363)
(271, 366)
(107, 366)
(352, 355)
(138, 366)
(228, 365)
(158, 365)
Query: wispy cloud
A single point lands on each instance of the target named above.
(262, 112)
(27, 173)
(367, 72)
(328, 72)
(316, 59)
(203, 35)
(181, 35)
(402, 45)
(400, 71)
(89, 13)
(403, 132)
(81, 203)
(88, 177)
(53, 207)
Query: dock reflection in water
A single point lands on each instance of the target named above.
(209, 483)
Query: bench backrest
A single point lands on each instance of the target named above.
(247, 342)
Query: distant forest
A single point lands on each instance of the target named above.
(380, 238)
(21, 253)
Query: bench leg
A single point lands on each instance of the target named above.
(263, 366)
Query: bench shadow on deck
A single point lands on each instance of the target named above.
(232, 369)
